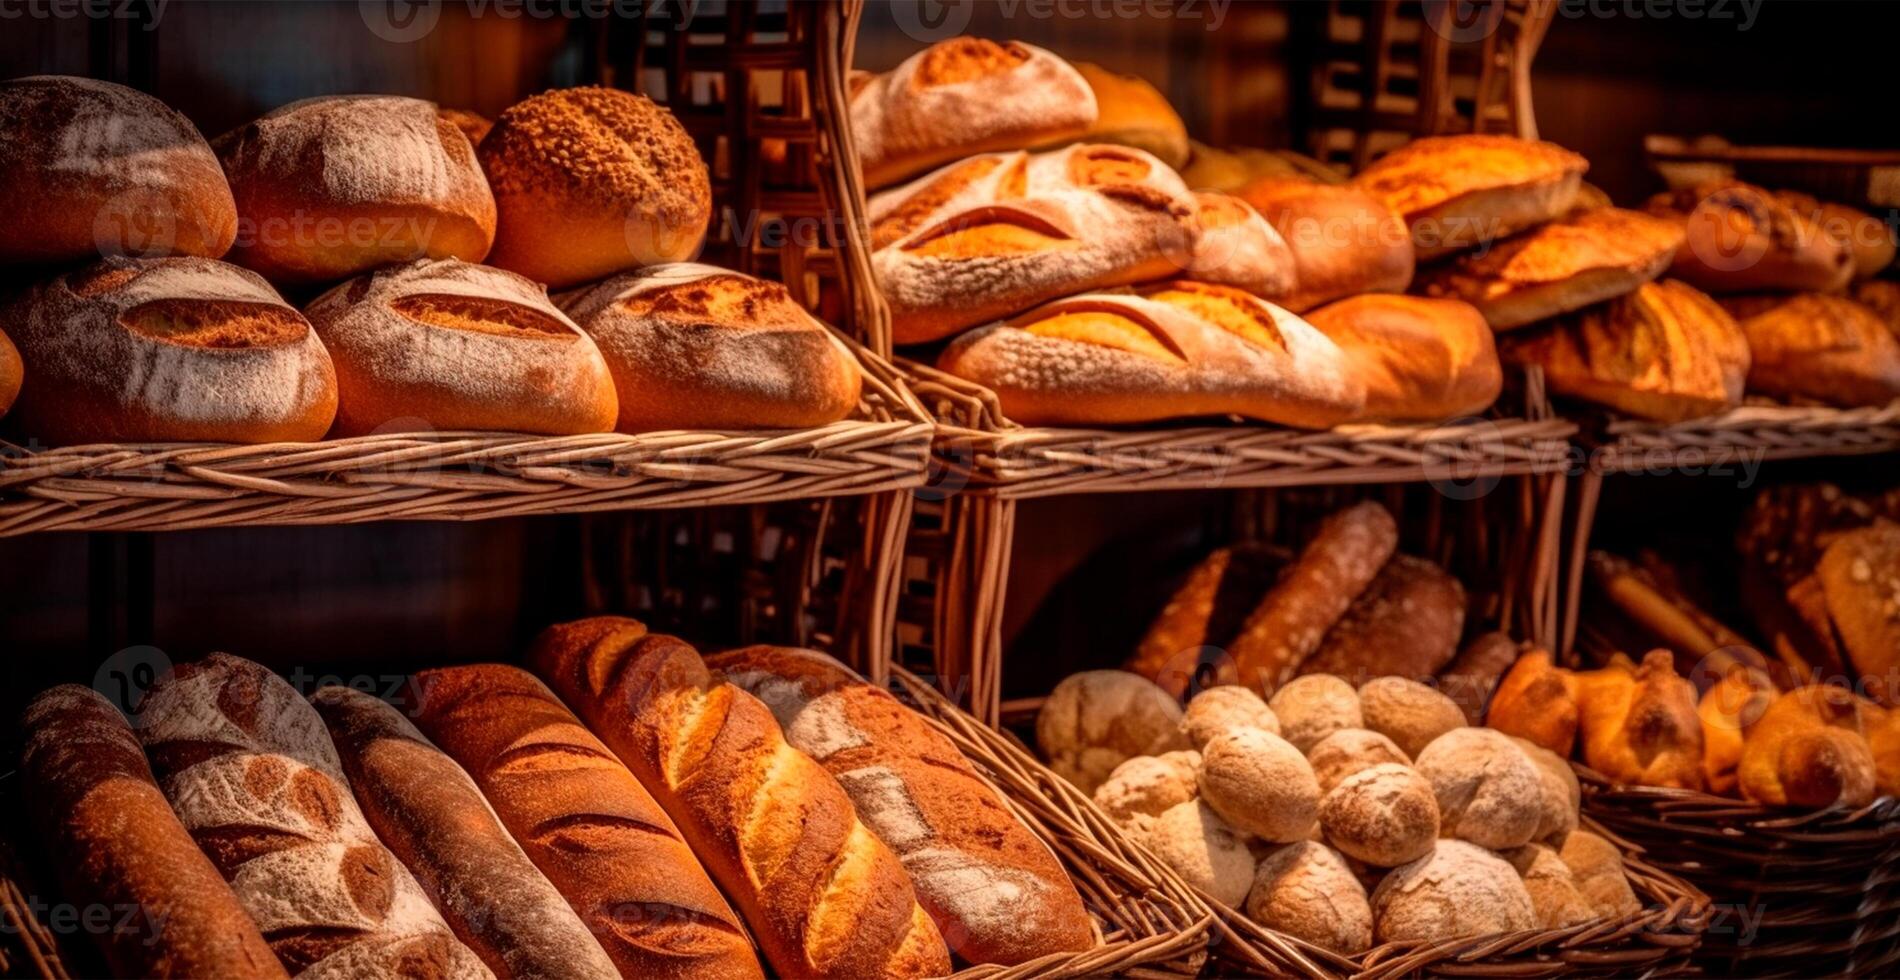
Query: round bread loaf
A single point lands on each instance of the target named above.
(1218, 709)
(592, 181)
(1489, 792)
(89, 168)
(1306, 890)
(1407, 712)
(1097, 719)
(1235, 246)
(167, 350)
(1315, 706)
(442, 345)
(1421, 359)
(1206, 852)
(1560, 796)
(1597, 868)
(1145, 787)
(697, 347)
(10, 374)
(1457, 890)
(1554, 895)
(330, 187)
(1384, 816)
(1131, 112)
(1260, 784)
(1344, 241)
(1350, 750)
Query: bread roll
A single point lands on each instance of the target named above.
(1344, 241)
(1307, 891)
(1405, 624)
(330, 187)
(1407, 712)
(1555, 897)
(1341, 560)
(90, 168)
(1808, 750)
(1146, 786)
(446, 346)
(1260, 784)
(1314, 706)
(1459, 192)
(1422, 360)
(167, 350)
(1740, 238)
(1664, 352)
(1596, 867)
(822, 895)
(962, 96)
(1475, 672)
(1560, 797)
(1095, 720)
(1230, 170)
(1883, 297)
(1385, 815)
(1131, 112)
(696, 347)
(1640, 728)
(1488, 790)
(1868, 240)
(591, 181)
(1205, 612)
(585, 822)
(1860, 576)
(431, 815)
(1204, 850)
(996, 892)
(1234, 246)
(1350, 750)
(1537, 701)
(1220, 709)
(251, 773)
(1456, 891)
(10, 374)
(1568, 264)
(1727, 710)
(1825, 348)
(106, 829)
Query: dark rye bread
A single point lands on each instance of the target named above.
(585, 822)
(1405, 624)
(997, 893)
(108, 831)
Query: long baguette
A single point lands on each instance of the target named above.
(1335, 567)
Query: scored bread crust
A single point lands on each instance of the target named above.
(1420, 359)
(332, 186)
(964, 96)
(1343, 241)
(1574, 262)
(1741, 238)
(1458, 192)
(89, 166)
(1176, 350)
(1823, 348)
(1132, 112)
(168, 350)
(11, 372)
(695, 346)
(444, 345)
(1235, 246)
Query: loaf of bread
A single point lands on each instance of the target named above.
(1821, 348)
(1537, 701)
(1175, 350)
(473, 124)
(1409, 713)
(1097, 719)
(11, 374)
(1883, 297)
(1344, 241)
(1489, 792)
(1143, 788)
(1459, 192)
(1641, 727)
(1596, 866)
(1131, 112)
(1809, 750)
(1350, 750)
(1555, 897)
(1860, 577)
(823, 896)
(1344, 556)
(950, 189)
(1306, 890)
(443, 345)
(167, 350)
(1472, 675)
(1203, 614)
(1260, 784)
(106, 829)
(1665, 352)
(252, 774)
(330, 187)
(1576, 261)
(1219, 710)
(587, 824)
(1882, 728)
(1457, 890)
(1312, 708)
(1727, 710)
(997, 894)
(434, 819)
(1405, 624)
(90, 168)
(1741, 238)
(591, 181)
(1868, 241)
(1385, 815)
(1422, 360)
(1234, 246)
(693, 346)
(963, 96)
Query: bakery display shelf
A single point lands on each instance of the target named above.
(1751, 432)
(1797, 893)
(1867, 178)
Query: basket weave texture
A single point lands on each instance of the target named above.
(1745, 434)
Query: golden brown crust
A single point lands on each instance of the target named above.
(591, 181)
(1537, 702)
(1206, 611)
(11, 373)
(1405, 624)
(1421, 359)
(1131, 112)
(1808, 750)
(1860, 577)
(1568, 264)
(473, 124)
(1458, 192)
(1344, 557)
(1868, 240)
(1883, 297)
(1823, 348)
(1344, 241)
(1741, 238)
(1728, 708)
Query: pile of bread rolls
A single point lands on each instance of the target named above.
(155, 261)
(1344, 817)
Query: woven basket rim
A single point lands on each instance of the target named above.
(1622, 444)
(1735, 814)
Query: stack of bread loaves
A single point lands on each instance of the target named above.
(1345, 817)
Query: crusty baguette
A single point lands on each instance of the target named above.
(585, 822)
(426, 809)
(252, 774)
(1205, 612)
(823, 896)
(116, 844)
(1576, 261)
(997, 893)
(1335, 567)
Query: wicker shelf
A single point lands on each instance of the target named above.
(1747, 434)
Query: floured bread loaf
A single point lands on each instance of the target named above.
(1235, 246)
(1568, 264)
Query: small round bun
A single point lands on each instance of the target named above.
(592, 181)
(1407, 712)
(1597, 867)
(331, 187)
(1145, 787)
(1260, 784)
(1218, 709)
(1489, 792)
(10, 374)
(1561, 796)
(1306, 890)
(1206, 852)
(90, 168)
(1456, 891)
(167, 350)
(1384, 816)
(1315, 706)
(1554, 894)
(1097, 719)
(1349, 750)
(445, 345)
